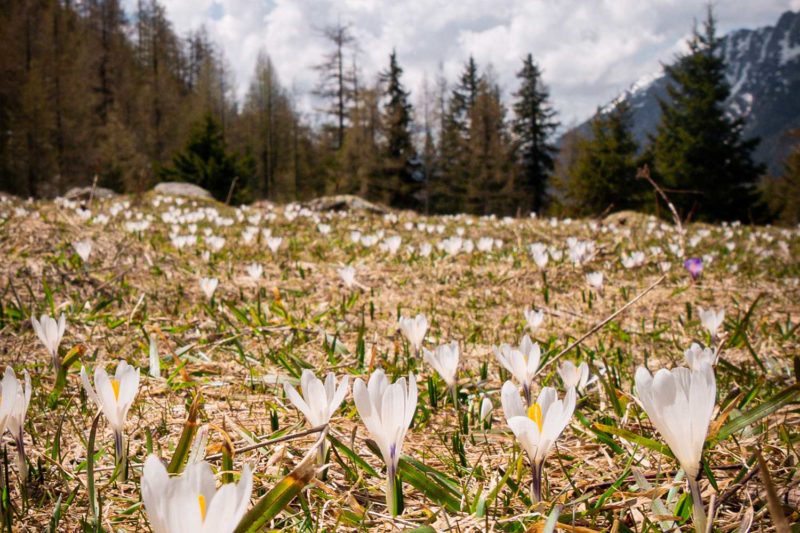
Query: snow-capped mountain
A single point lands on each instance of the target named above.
(763, 69)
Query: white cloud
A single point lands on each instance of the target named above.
(589, 50)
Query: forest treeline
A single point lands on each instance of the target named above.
(88, 90)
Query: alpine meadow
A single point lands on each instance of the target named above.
(397, 299)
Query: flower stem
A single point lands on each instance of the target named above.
(22, 464)
(536, 484)
(391, 491)
(119, 451)
(698, 512)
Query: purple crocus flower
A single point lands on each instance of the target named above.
(695, 266)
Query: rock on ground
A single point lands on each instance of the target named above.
(177, 188)
(83, 193)
(345, 202)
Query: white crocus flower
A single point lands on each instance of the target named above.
(445, 361)
(574, 376)
(114, 397)
(191, 502)
(15, 408)
(273, 243)
(50, 333)
(83, 249)
(348, 276)
(711, 320)
(595, 280)
(487, 408)
(387, 410)
(680, 404)
(414, 330)
(318, 402)
(254, 271)
(534, 319)
(8, 387)
(522, 362)
(208, 286)
(696, 355)
(540, 425)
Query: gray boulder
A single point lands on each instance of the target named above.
(177, 188)
(345, 202)
(84, 193)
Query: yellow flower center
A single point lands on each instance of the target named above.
(535, 414)
(115, 386)
(201, 500)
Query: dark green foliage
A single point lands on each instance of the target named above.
(393, 186)
(698, 150)
(533, 126)
(603, 175)
(205, 161)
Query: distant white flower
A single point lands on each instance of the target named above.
(414, 329)
(485, 244)
(632, 260)
(391, 244)
(487, 408)
(208, 286)
(711, 320)
(425, 249)
(254, 271)
(665, 266)
(534, 319)
(595, 280)
(445, 361)
(50, 333)
(355, 236)
(452, 245)
(540, 426)
(114, 396)
(696, 356)
(215, 243)
(387, 410)
(522, 362)
(83, 249)
(574, 376)
(190, 503)
(273, 243)
(538, 252)
(348, 276)
(324, 229)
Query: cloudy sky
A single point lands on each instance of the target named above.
(590, 50)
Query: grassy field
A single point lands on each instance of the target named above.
(229, 354)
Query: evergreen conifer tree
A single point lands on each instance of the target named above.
(603, 176)
(698, 149)
(206, 162)
(533, 127)
(397, 113)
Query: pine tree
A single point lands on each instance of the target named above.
(207, 162)
(397, 113)
(698, 150)
(603, 175)
(533, 127)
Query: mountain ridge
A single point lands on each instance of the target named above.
(763, 71)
